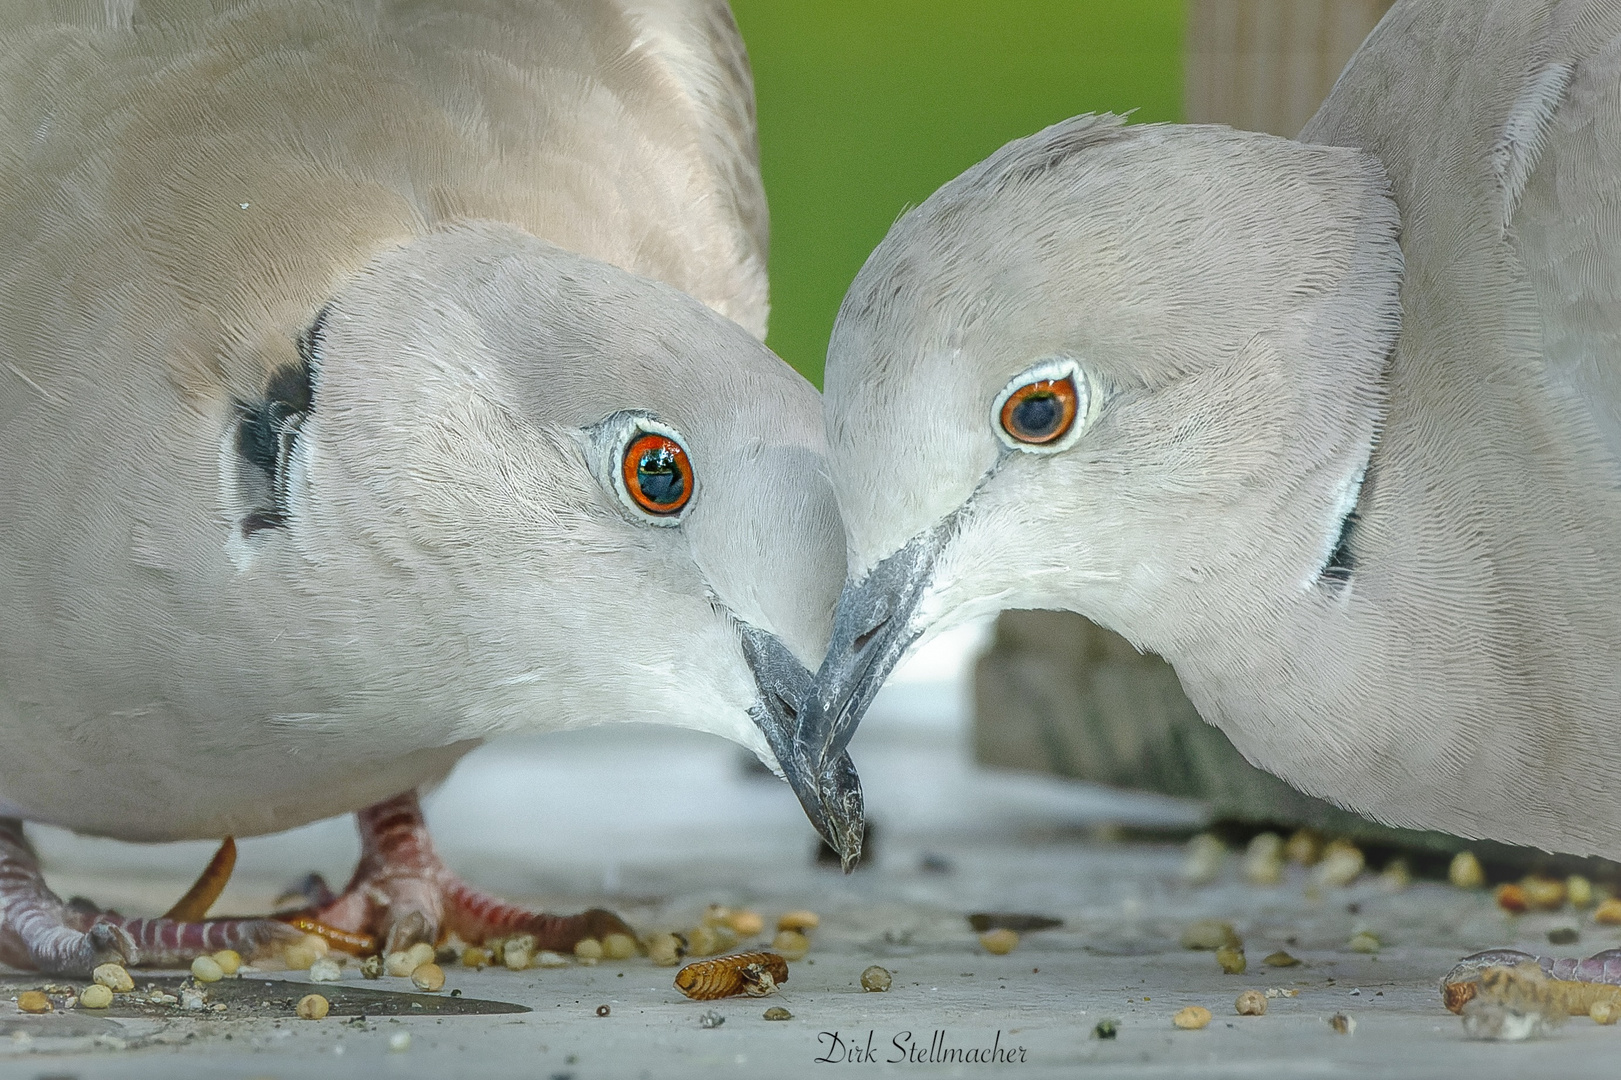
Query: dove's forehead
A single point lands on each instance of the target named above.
(573, 340)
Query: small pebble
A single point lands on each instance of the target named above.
(799, 920)
(746, 923)
(429, 977)
(711, 1019)
(1205, 855)
(1281, 959)
(999, 942)
(1604, 1012)
(326, 969)
(1106, 1029)
(313, 1007)
(1281, 991)
(618, 946)
(1232, 960)
(1304, 847)
(790, 944)
(603, 1010)
(399, 1042)
(33, 1001)
(193, 998)
(1210, 934)
(875, 980)
(205, 969)
(1263, 859)
(1465, 871)
(777, 1012)
(114, 978)
(1345, 1025)
(229, 960)
(1564, 935)
(476, 957)
(1579, 890)
(399, 964)
(1192, 1018)
(588, 951)
(1608, 913)
(548, 959)
(1364, 943)
(421, 953)
(1251, 1003)
(95, 996)
(372, 966)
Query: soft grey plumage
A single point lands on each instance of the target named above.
(1348, 449)
(310, 447)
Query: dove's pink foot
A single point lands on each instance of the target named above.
(38, 930)
(402, 894)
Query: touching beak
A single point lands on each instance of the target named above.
(872, 629)
(830, 791)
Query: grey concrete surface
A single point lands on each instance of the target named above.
(658, 825)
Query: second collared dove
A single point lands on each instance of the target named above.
(319, 467)
(1334, 424)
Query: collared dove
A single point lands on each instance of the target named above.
(1333, 424)
(319, 466)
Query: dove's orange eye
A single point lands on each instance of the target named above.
(657, 474)
(1040, 412)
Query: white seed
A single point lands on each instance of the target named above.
(702, 941)
(515, 957)
(229, 960)
(588, 951)
(1364, 942)
(1342, 862)
(799, 920)
(790, 944)
(619, 946)
(421, 953)
(1263, 860)
(1466, 871)
(1202, 865)
(95, 996)
(548, 959)
(206, 969)
(399, 964)
(326, 969)
(114, 978)
(429, 977)
(999, 942)
(313, 1007)
(875, 980)
(664, 950)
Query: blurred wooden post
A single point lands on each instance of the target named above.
(1265, 65)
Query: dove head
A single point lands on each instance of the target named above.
(575, 495)
(1134, 372)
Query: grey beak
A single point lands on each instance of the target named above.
(830, 792)
(872, 629)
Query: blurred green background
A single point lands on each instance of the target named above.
(867, 106)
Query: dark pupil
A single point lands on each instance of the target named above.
(659, 477)
(1037, 415)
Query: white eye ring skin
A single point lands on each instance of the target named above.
(1057, 369)
(615, 436)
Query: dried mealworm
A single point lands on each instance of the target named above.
(1572, 986)
(753, 973)
(210, 883)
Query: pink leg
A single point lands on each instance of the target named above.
(402, 893)
(37, 930)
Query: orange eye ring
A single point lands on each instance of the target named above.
(1041, 412)
(657, 474)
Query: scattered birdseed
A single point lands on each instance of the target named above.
(875, 980)
(999, 942)
(1263, 859)
(1511, 898)
(1608, 913)
(399, 964)
(1341, 864)
(372, 966)
(229, 960)
(1465, 871)
(301, 956)
(475, 957)
(421, 953)
(756, 974)
(1232, 960)
(1106, 1029)
(399, 1042)
(1364, 942)
(792, 944)
(588, 951)
(1579, 890)
(206, 969)
(1281, 991)
(516, 957)
(114, 978)
(1205, 855)
(95, 996)
(313, 1007)
(326, 969)
(746, 923)
(33, 1001)
(799, 920)
(1251, 1003)
(1211, 934)
(1604, 1012)
(715, 915)
(429, 977)
(702, 941)
(1543, 893)
(548, 959)
(777, 1012)
(711, 1019)
(1397, 876)
(1281, 959)
(1192, 1018)
(603, 1010)
(618, 946)
(1304, 847)
(1345, 1025)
